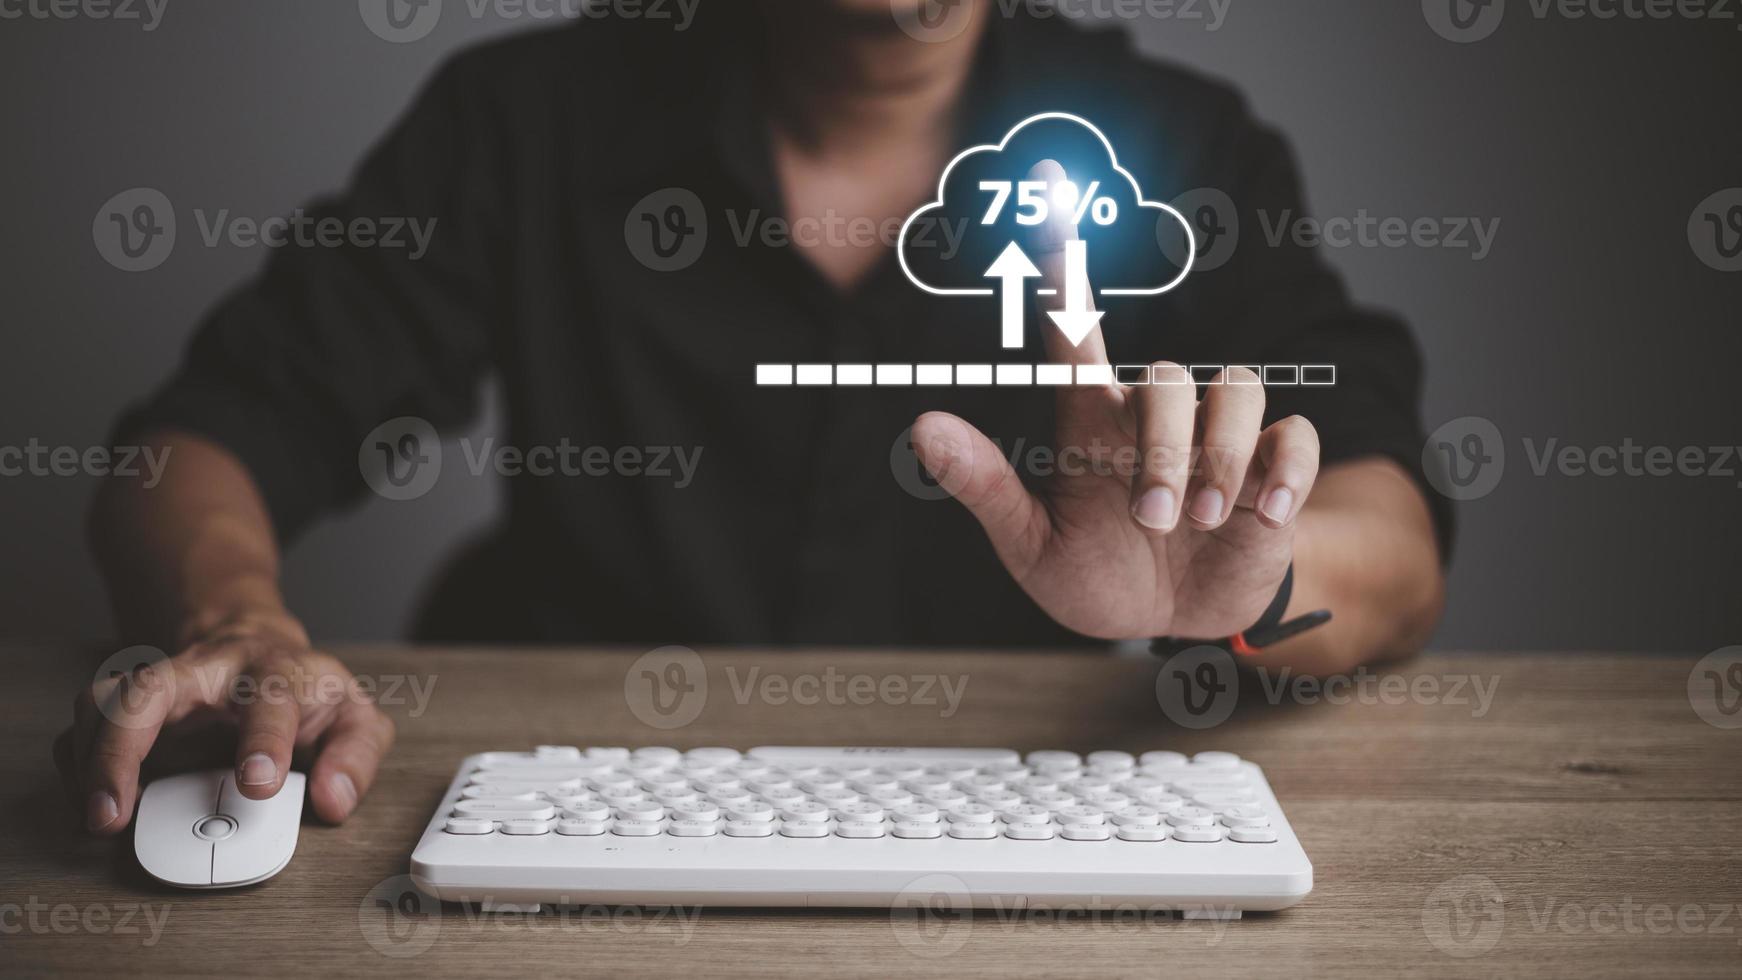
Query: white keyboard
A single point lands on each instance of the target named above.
(846, 827)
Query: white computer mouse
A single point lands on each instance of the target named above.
(196, 830)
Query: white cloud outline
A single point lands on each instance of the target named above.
(1112, 157)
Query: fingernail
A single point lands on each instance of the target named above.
(1278, 504)
(345, 792)
(100, 810)
(1207, 506)
(258, 770)
(1155, 509)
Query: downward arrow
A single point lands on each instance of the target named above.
(1076, 320)
(1011, 268)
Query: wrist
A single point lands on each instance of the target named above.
(245, 609)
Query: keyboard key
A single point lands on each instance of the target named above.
(1196, 834)
(825, 782)
(1028, 813)
(731, 797)
(607, 753)
(1055, 800)
(1112, 760)
(656, 755)
(917, 829)
(1166, 760)
(557, 753)
(973, 813)
(1216, 760)
(918, 813)
(495, 791)
(1085, 831)
(505, 809)
(527, 828)
(804, 828)
(1161, 800)
(807, 811)
(890, 801)
(1110, 802)
(874, 786)
(755, 812)
(781, 797)
(835, 797)
(1142, 832)
(999, 799)
(1246, 816)
(749, 828)
(973, 831)
(953, 771)
(587, 812)
(1223, 801)
(469, 825)
(1137, 816)
(713, 756)
(641, 810)
(580, 828)
(1081, 814)
(1253, 835)
(573, 799)
(698, 810)
(1191, 816)
(637, 828)
(1053, 759)
(943, 796)
(860, 829)
(1030, 831)
(621, 797)
(862, 811)
(693, 828)
(675, 797)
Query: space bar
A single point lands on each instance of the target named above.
(876, 755)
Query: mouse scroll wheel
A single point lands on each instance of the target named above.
(215, 827)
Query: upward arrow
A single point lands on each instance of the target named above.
(1076, 320)
(1011, 267)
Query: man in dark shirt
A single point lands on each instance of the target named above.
(532, 160)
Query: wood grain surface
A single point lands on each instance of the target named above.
(1540, 815)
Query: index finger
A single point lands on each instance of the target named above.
(1066, 302)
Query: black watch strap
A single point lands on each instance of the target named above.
(1269, 628)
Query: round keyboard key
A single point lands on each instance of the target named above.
(673, 797)
(890, 801)
(860, 829)
(557, 753)
(1026, 813)
(505, 809)
(1137, 816)
(1035, 784)
(527, 828)
(918, 813)
(496, 791)
(566, 800)
(1161, 799)
(999, 799)
(587, 810)
(835, 797)
(713, 756)
(826, 782)
(1053, 759)
(751, 812)
(749, 828)
(1246, 816)
(1224, 801)
(569, 827)
(1030, 831)
(699, 810)
(607, 753)
(1162, 759)
(641, 810)
(1197, 834)
(664, 780)
(861, 811)
(620, 798)
(808, 811)
(637, 828)
(693, 828)
(1216, 760)
(774, 784)
(730, 797)
(917, 830)
(943, 796)
(974, 831)
(1085, 831)
(1110, 802)
(929, 781)
(659, 755)
(1081, 814)
(1252, 835)
(982, 783)
(952, 772)
(804, 828)
(611, 783)
(904, 770)
(1191, 816)
(469, 826)
(1054, 800)
(1142, 832)
(877, 786)
(1112, 760)
(782, 796)
(973, 813)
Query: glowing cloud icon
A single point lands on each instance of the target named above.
(1009, 203)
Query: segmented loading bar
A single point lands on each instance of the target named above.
(1015, 375)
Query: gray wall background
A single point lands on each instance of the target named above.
(1592, 321)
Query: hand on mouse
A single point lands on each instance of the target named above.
(257, 677)
(1190, 536)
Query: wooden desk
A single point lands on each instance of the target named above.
(1603, 812)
